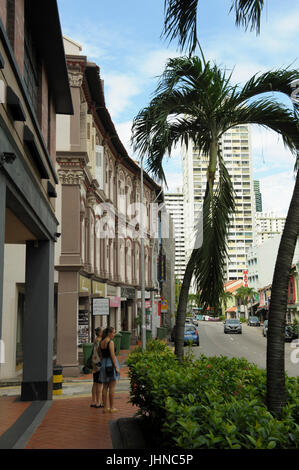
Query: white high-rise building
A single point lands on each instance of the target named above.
(175, 206)
(236, 150)
(268, 224)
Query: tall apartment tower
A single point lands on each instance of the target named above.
(258, 196)
(268, 224)
(175, 206)
(236, 150)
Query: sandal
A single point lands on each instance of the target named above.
(113, 410)
(106, 410)
(93, 406)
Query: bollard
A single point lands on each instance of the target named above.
(57, 380)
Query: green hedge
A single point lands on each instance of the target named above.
(213, 402)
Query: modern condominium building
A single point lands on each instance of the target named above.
(175, 206)
(268, 224)
(236, 149)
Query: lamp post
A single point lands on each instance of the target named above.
(143, 326)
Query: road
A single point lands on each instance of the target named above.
(250, 344)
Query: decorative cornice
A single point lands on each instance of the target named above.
(71, 177)
(75, 78)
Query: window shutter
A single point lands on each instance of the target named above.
(100, 165)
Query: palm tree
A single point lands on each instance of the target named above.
(195, 101)
(181, 19)
(225, 298)
(245, 294)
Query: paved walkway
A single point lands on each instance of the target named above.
(67, 421)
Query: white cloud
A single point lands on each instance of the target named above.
(277, 192)
(124, 133)
(269, 151)
(155, 61)
(119, 92)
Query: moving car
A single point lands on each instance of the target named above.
(232, 326)
(254, 321)
(191, 334)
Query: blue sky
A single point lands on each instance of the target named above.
(123, 38)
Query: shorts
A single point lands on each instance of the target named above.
(96, 376)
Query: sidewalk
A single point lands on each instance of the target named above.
(67, 421)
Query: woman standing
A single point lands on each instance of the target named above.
(108, 377)
(96, 362)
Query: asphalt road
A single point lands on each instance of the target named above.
(250, 344)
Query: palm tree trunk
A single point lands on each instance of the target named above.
(276, 390)
(181, 311)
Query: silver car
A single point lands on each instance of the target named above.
(232, 326)
(265, 328)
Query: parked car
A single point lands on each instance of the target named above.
(265, 328)
(254, 321)
(191, 334)
(232, 325)
(213, 319)
(289, 334)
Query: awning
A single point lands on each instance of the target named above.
(232, 309)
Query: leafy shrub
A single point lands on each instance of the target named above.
(213, 402)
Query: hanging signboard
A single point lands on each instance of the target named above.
(115, 301)
(245, 273)
(100, 306)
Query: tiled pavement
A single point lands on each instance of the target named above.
(69, 423)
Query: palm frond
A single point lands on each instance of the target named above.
(248, 12)
(280, 80)
(180, 19)
(181, 22)
(269, 114)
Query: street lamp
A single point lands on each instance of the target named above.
(143, 326)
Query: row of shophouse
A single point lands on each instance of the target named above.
(69, 206)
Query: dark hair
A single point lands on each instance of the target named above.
(98, 330)
(106, 332)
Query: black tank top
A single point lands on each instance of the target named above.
(106, 352)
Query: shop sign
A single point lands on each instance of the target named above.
(163, 305)
(111, 290)
(147, 294)
(100, 306)
(115, 301)
(148, 304)
(128, 293)
(245, 273)
(98, 288)
(85, 284)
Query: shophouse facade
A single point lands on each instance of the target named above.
(98, 260)
(34, 88)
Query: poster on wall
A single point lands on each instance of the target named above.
(83, 336)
